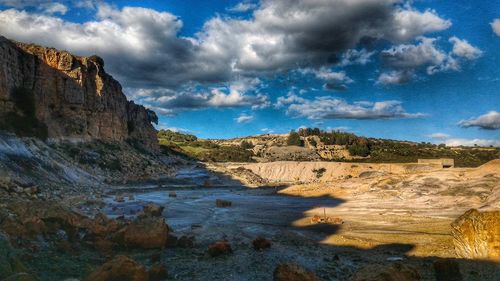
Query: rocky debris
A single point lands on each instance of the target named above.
(393, 272)
(146, 233)
(120, 268)
(120, 198)
(476, 235)
(74, 98)
(172, 194)
(219, 248)
(248, 176)
(326, 219)
(27, 219)
(261, 243)
(11, 267)
(223, 203)
(185, 242)
(293, 272)
(158, 272)
(447, 270)
(153, 210)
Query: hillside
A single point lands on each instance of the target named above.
(316, 145)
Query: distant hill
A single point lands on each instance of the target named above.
(316, 145)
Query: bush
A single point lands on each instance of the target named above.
(319, 172)
(294, 139)
(176, 136)
(246, 145)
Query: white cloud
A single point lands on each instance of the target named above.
(353, 56)
(242, 7)
(54, 8)
(410, 23)
(332, 108)
(333, 80)
(439, 136)
(244, 118)
(395, 77)
(488, 121)
(495, 25)
(407, 59)
(290, 98)
(462, 48)
(472, 142)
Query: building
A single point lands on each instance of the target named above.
(443, 162)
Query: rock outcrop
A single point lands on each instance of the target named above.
(120, 268)
(68, 97)
(476, 235)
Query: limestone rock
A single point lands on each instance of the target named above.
(476, 235)
(219, 248)
(261, 243)
(120, 268)
(146, 233)
(74, 97)
(292, 272)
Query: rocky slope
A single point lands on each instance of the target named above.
(50, 93)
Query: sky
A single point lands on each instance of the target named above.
(422, 70)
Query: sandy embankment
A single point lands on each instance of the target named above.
(390, 203)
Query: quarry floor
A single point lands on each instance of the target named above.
(381, 219)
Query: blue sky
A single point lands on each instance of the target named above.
(412, 70)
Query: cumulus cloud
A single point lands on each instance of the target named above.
(290, 98)
(353, 56)
(462, 48)
(333, 80)
(333, 108)
(244, 118)
(241, 93)
(488, 121)
(142, 47)
(395, 77)
(495, 25)
(406, 59)
(242, 7)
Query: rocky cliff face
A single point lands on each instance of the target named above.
(66, 97)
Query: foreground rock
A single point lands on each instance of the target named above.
(261, 243)
(146, 233)
(293, 272)
(476, 235)
(120, 268)
(219, 248)
(394, 272)
(11, 267)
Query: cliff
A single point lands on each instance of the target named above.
(53, 94)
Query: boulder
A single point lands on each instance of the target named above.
(120, 268)
(11, 267)
(158, 272)
(153, 210)
(223, 203)
(293, 272)
(261, 243)
(476, 235)
(219, 248)
(146, 233)
(393, 272)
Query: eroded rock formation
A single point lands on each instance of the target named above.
(69, 96)
(476, 235)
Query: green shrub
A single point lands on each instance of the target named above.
(294, 139)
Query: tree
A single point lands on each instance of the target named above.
(294, 139)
